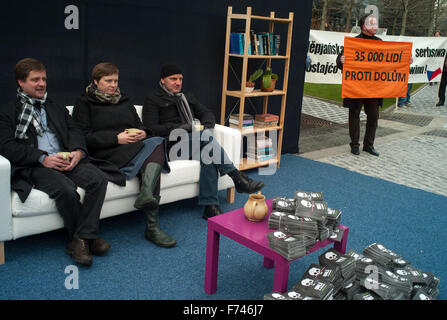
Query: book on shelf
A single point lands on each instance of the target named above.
(267, 44)
(245, 127)
(261, 124)
(261, 151)
(237, 43)
(266, 117)
(264, 142)
(244, 122)
(259, 157)
(245, 116)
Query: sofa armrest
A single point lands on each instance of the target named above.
(230, 140)
(5, 200)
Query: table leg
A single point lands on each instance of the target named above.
(281, 277)
(212, 260)
(341, 246)
(268, 263)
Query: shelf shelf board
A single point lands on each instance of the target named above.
(257, 56)
(245, 16)
(252, 130)
(255, 93)
(246, 164)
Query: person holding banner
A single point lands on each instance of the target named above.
(368, 24)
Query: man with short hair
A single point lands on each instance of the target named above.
(167, 108)
(33, 132)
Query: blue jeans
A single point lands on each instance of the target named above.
(403, 100)
(214, 162)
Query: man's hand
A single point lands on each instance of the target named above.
(342, 59)
(75, 157)
(55, 162)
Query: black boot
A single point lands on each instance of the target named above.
(211, 211)
(440, 103)
(153, 232)
(244, 184)
(146, 197)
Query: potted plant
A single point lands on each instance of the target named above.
(250, 84)
(268, 80)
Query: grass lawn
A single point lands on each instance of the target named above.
(333, 92)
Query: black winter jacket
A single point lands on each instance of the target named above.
(102, 122)
(23, 154)
(160, 112)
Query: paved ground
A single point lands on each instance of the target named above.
(412, 141)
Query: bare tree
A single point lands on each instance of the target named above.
(348, 16)
(404, 17)
(323, 15)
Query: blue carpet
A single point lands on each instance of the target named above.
(409, 221)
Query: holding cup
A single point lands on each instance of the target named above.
(133, 130)
(65, 155)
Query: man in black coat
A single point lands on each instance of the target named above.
(32, 133)
(168, 108)
(368, 25)
(442, 85)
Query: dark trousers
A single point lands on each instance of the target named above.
(80, 219)
(210, 169)
(371, 107)
(442, 85)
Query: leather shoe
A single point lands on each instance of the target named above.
(244, 184)
(371, 150)
(99, 246)
(355, 150)
(440, 103)
(79, 250)
(211, 211)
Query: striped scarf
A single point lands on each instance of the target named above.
(29, 114)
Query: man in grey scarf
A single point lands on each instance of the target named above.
(168, 108)
(33, 132)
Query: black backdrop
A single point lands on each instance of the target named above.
(139, 36)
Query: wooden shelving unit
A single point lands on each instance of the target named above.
(245, 163)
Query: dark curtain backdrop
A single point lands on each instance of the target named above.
(139, 36)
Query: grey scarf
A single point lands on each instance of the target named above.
(28, 115)
(182, 105)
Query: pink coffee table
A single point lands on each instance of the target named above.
(253, 235)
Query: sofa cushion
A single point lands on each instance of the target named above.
(182, 172)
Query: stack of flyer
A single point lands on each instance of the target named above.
(247, 121)
(263, 149)
(266, 120)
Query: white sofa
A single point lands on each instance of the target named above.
(38, 213)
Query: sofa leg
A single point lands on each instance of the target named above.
(2, 252)
(231, 194)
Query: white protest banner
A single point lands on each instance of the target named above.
(324, 46)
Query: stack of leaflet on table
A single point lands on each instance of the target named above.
(284, 204)
(333, 218)
(288, 246)
(332, 258)
(291, 224)
(316, 210)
